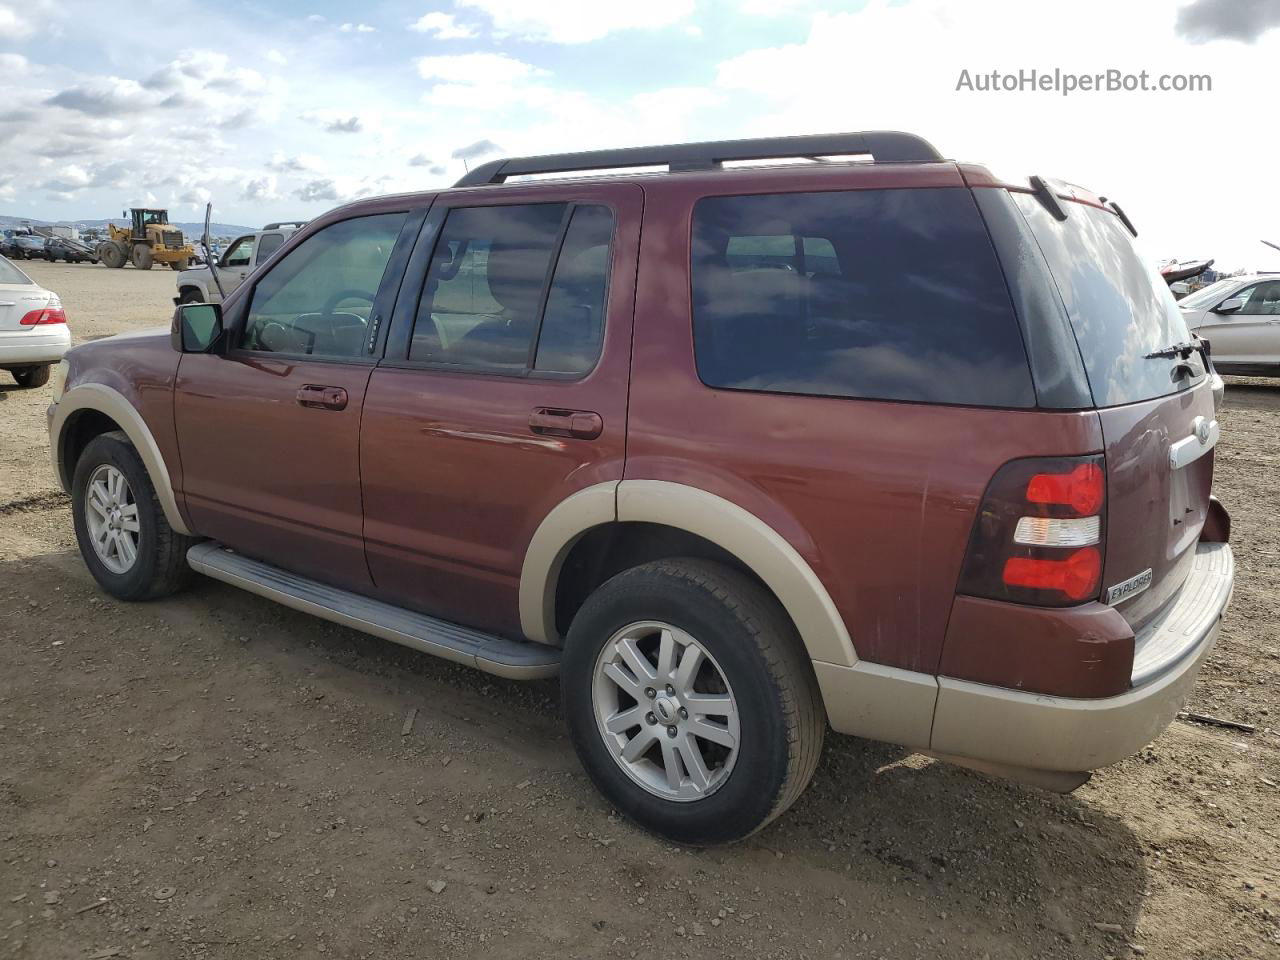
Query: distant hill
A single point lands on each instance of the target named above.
(193, 229)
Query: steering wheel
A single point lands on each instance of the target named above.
(331, 304)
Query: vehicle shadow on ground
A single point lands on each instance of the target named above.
(893, 831)
(1253, 393)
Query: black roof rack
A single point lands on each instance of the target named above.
(883, 146)
(285, 223)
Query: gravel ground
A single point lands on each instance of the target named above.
(215, 776)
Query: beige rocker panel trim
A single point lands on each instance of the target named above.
(97, 396)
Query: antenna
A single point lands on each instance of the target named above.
(208, 254)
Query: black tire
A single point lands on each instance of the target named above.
(177, 266)
(142, 256)
(763, 660)
(190, 295)
(161, 565)
(29, 377)
(110, 253)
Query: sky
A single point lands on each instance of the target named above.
(283, 110)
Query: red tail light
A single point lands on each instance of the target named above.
(1038, 536)
(38, 318)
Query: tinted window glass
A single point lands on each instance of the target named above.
(888, 294)
(487, 286)
(1120, 308)
(484, 286)
(1263, 300)
(573, 323)
(317, 300)
(269, 244)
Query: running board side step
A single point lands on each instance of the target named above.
(484, 651)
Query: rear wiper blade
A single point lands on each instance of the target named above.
(1180, 350)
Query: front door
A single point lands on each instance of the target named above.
(269, 432)
(503, 390)
(1250, 335)
(236, 263)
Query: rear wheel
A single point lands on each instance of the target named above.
(690, 700)
(124, 537)
(31, 376)
(178, 265)
(142, 256)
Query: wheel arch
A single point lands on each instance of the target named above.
(734, 533)
(94, 408)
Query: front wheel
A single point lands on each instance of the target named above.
(124, 537)
(690, 700)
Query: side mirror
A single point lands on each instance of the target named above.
(198, 327)
(1230, 305)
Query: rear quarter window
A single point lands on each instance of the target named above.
(879, 294)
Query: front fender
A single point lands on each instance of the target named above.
(112, 403)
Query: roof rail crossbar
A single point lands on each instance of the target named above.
(883, 146)
(285, 223)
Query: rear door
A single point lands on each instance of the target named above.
(503, 390)
(1156, 411)
(237, 263)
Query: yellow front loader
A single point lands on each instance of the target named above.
(149, 239)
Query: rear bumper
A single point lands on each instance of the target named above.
(1020, 729)
(25, 348)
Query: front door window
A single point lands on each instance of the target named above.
(317, 300)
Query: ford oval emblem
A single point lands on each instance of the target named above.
(1202, 430)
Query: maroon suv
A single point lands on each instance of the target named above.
(872, 440)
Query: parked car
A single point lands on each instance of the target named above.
(892, 446)
(25, 246)
(242, 257)
(1240, 317)
(72, 251)
(33, 327)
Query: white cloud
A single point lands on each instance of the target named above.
(443, 26)
(357, 28)
(278, 58)
(1123, 145)
(578, 21)
(13, 61)
(20, 19)
(260, 189)
(482, 81)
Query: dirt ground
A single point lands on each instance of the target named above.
(216, 776)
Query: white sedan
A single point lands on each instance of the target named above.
(1240, 317)
(33, 327)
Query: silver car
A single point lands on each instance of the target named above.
(33, 327)
(1240, 317)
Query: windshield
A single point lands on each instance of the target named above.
(1207, 296)
(11, 274)
(1120, 308)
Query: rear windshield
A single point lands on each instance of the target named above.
(882, 294)
(11, 274)
(1120, 308)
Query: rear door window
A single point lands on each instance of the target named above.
(881, 294)
(514, 289)
(1120, 308)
